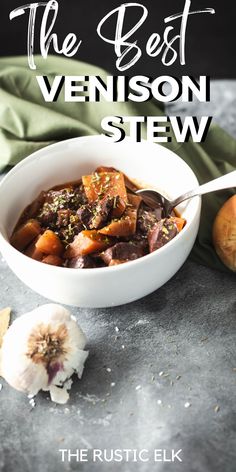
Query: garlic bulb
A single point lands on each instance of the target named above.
(41, 350)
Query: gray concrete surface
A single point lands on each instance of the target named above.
(171, 385)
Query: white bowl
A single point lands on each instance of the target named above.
(69, 160)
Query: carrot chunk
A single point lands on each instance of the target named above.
(86, 242)
(25, 234)
(179, 222)
(126, 225)
(104, 184)
(49, 243)
(33, 252)
(130, 185)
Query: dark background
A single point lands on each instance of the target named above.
(210, 39)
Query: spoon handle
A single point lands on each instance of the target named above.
(226, 181)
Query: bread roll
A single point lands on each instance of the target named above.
(224, 233)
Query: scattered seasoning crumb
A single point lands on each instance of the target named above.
(66, 411)
(30, 396)
(153, 378)
(123, 346)
(108, 394)
(112, 384)
(159, 402)
(108, 369)
(169, 406)
(171, 383)
(217, 408)
(0, 387)
(163, 374)
(204, 339)
(187, 405)
(117, 329)
(138, 387)
(178, 377)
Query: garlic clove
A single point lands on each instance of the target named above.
(17, 369)
(81, 358)
(59, 395)
(25, 377)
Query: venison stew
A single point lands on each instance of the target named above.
(95, 222)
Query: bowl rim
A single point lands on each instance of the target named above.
(96, 270)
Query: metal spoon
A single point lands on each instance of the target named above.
(154, 198)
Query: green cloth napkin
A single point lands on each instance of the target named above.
(28, 123)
